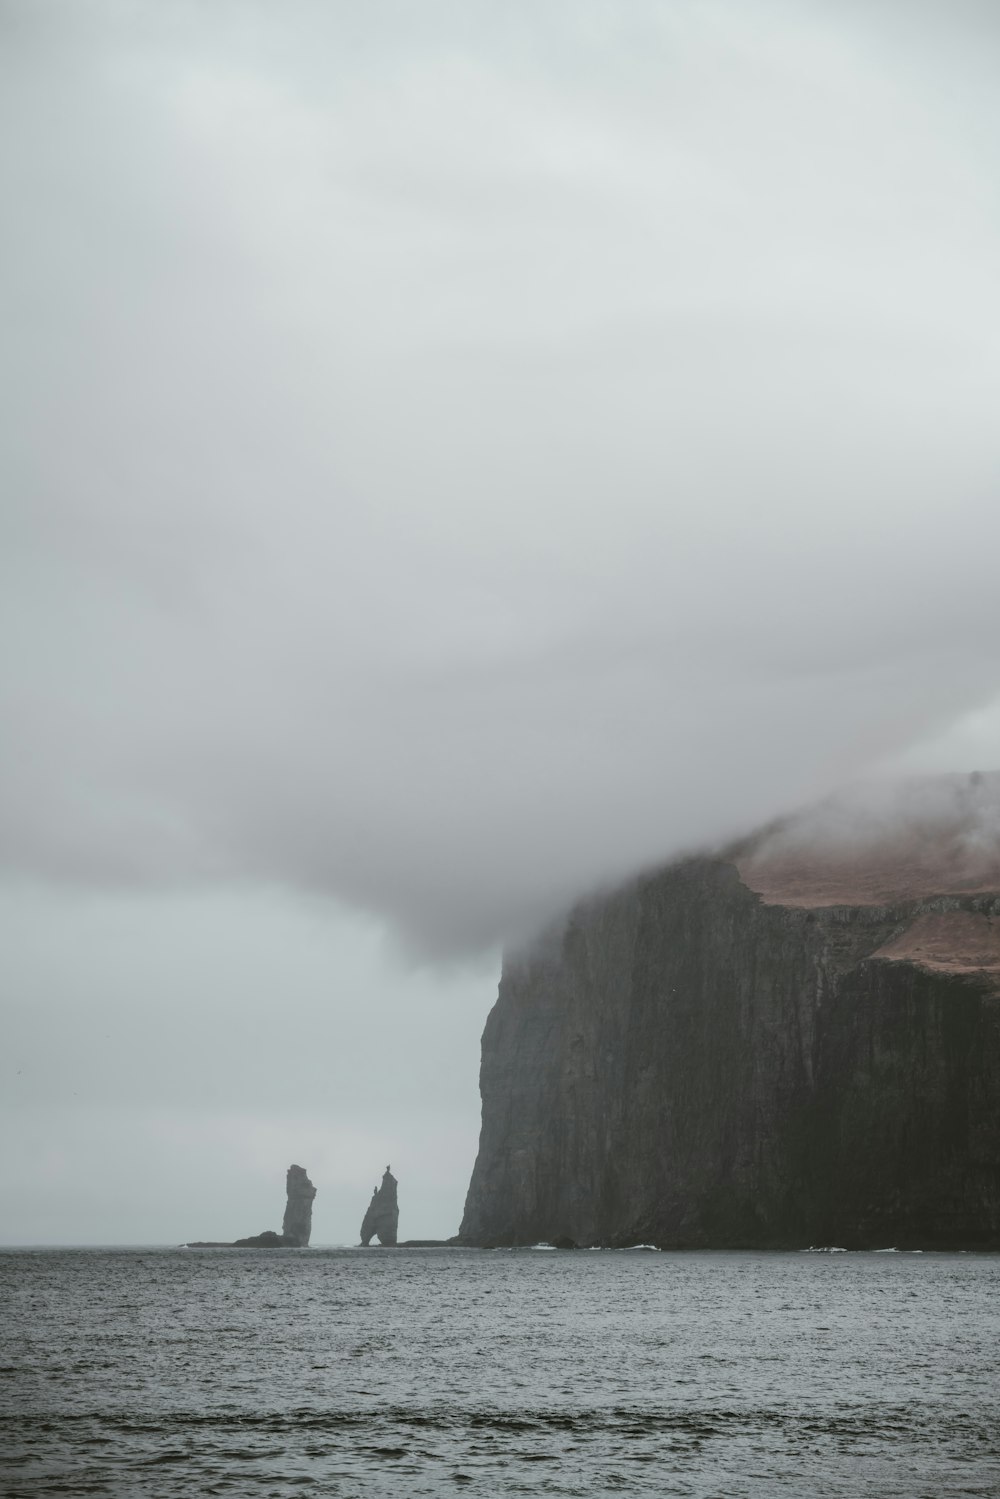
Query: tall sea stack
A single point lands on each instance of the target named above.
(297, 1223)
(796, 1043)
(382, 1218)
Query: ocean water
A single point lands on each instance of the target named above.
(445, 1372)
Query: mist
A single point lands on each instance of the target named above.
(454, 457)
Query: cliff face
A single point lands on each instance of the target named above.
(689, 1063)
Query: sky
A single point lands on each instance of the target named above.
(453, 456)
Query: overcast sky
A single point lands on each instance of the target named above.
(453, 455)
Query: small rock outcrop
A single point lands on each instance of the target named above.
(297, 1224)
(382, 1218)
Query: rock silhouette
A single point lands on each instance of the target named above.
(296, 1227)
(297, 1224)
(382, 1218)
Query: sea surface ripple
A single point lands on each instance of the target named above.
(426, 1372)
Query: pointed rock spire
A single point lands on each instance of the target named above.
(382, 1217)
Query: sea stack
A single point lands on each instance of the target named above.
(297, 1224)
(382, 1218)
(295, 1229)
(794, 1042)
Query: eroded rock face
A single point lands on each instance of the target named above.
(297, 1224)
(382, 1218)
(695, 1062)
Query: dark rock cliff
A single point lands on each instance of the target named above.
(687, 1063)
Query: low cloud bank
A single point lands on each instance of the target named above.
(455, 462)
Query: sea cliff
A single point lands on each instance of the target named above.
(692, 1061)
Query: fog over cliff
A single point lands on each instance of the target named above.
(456, 455)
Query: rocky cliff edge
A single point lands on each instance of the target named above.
(794, 1042)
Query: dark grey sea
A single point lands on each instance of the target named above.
(444, 1372)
